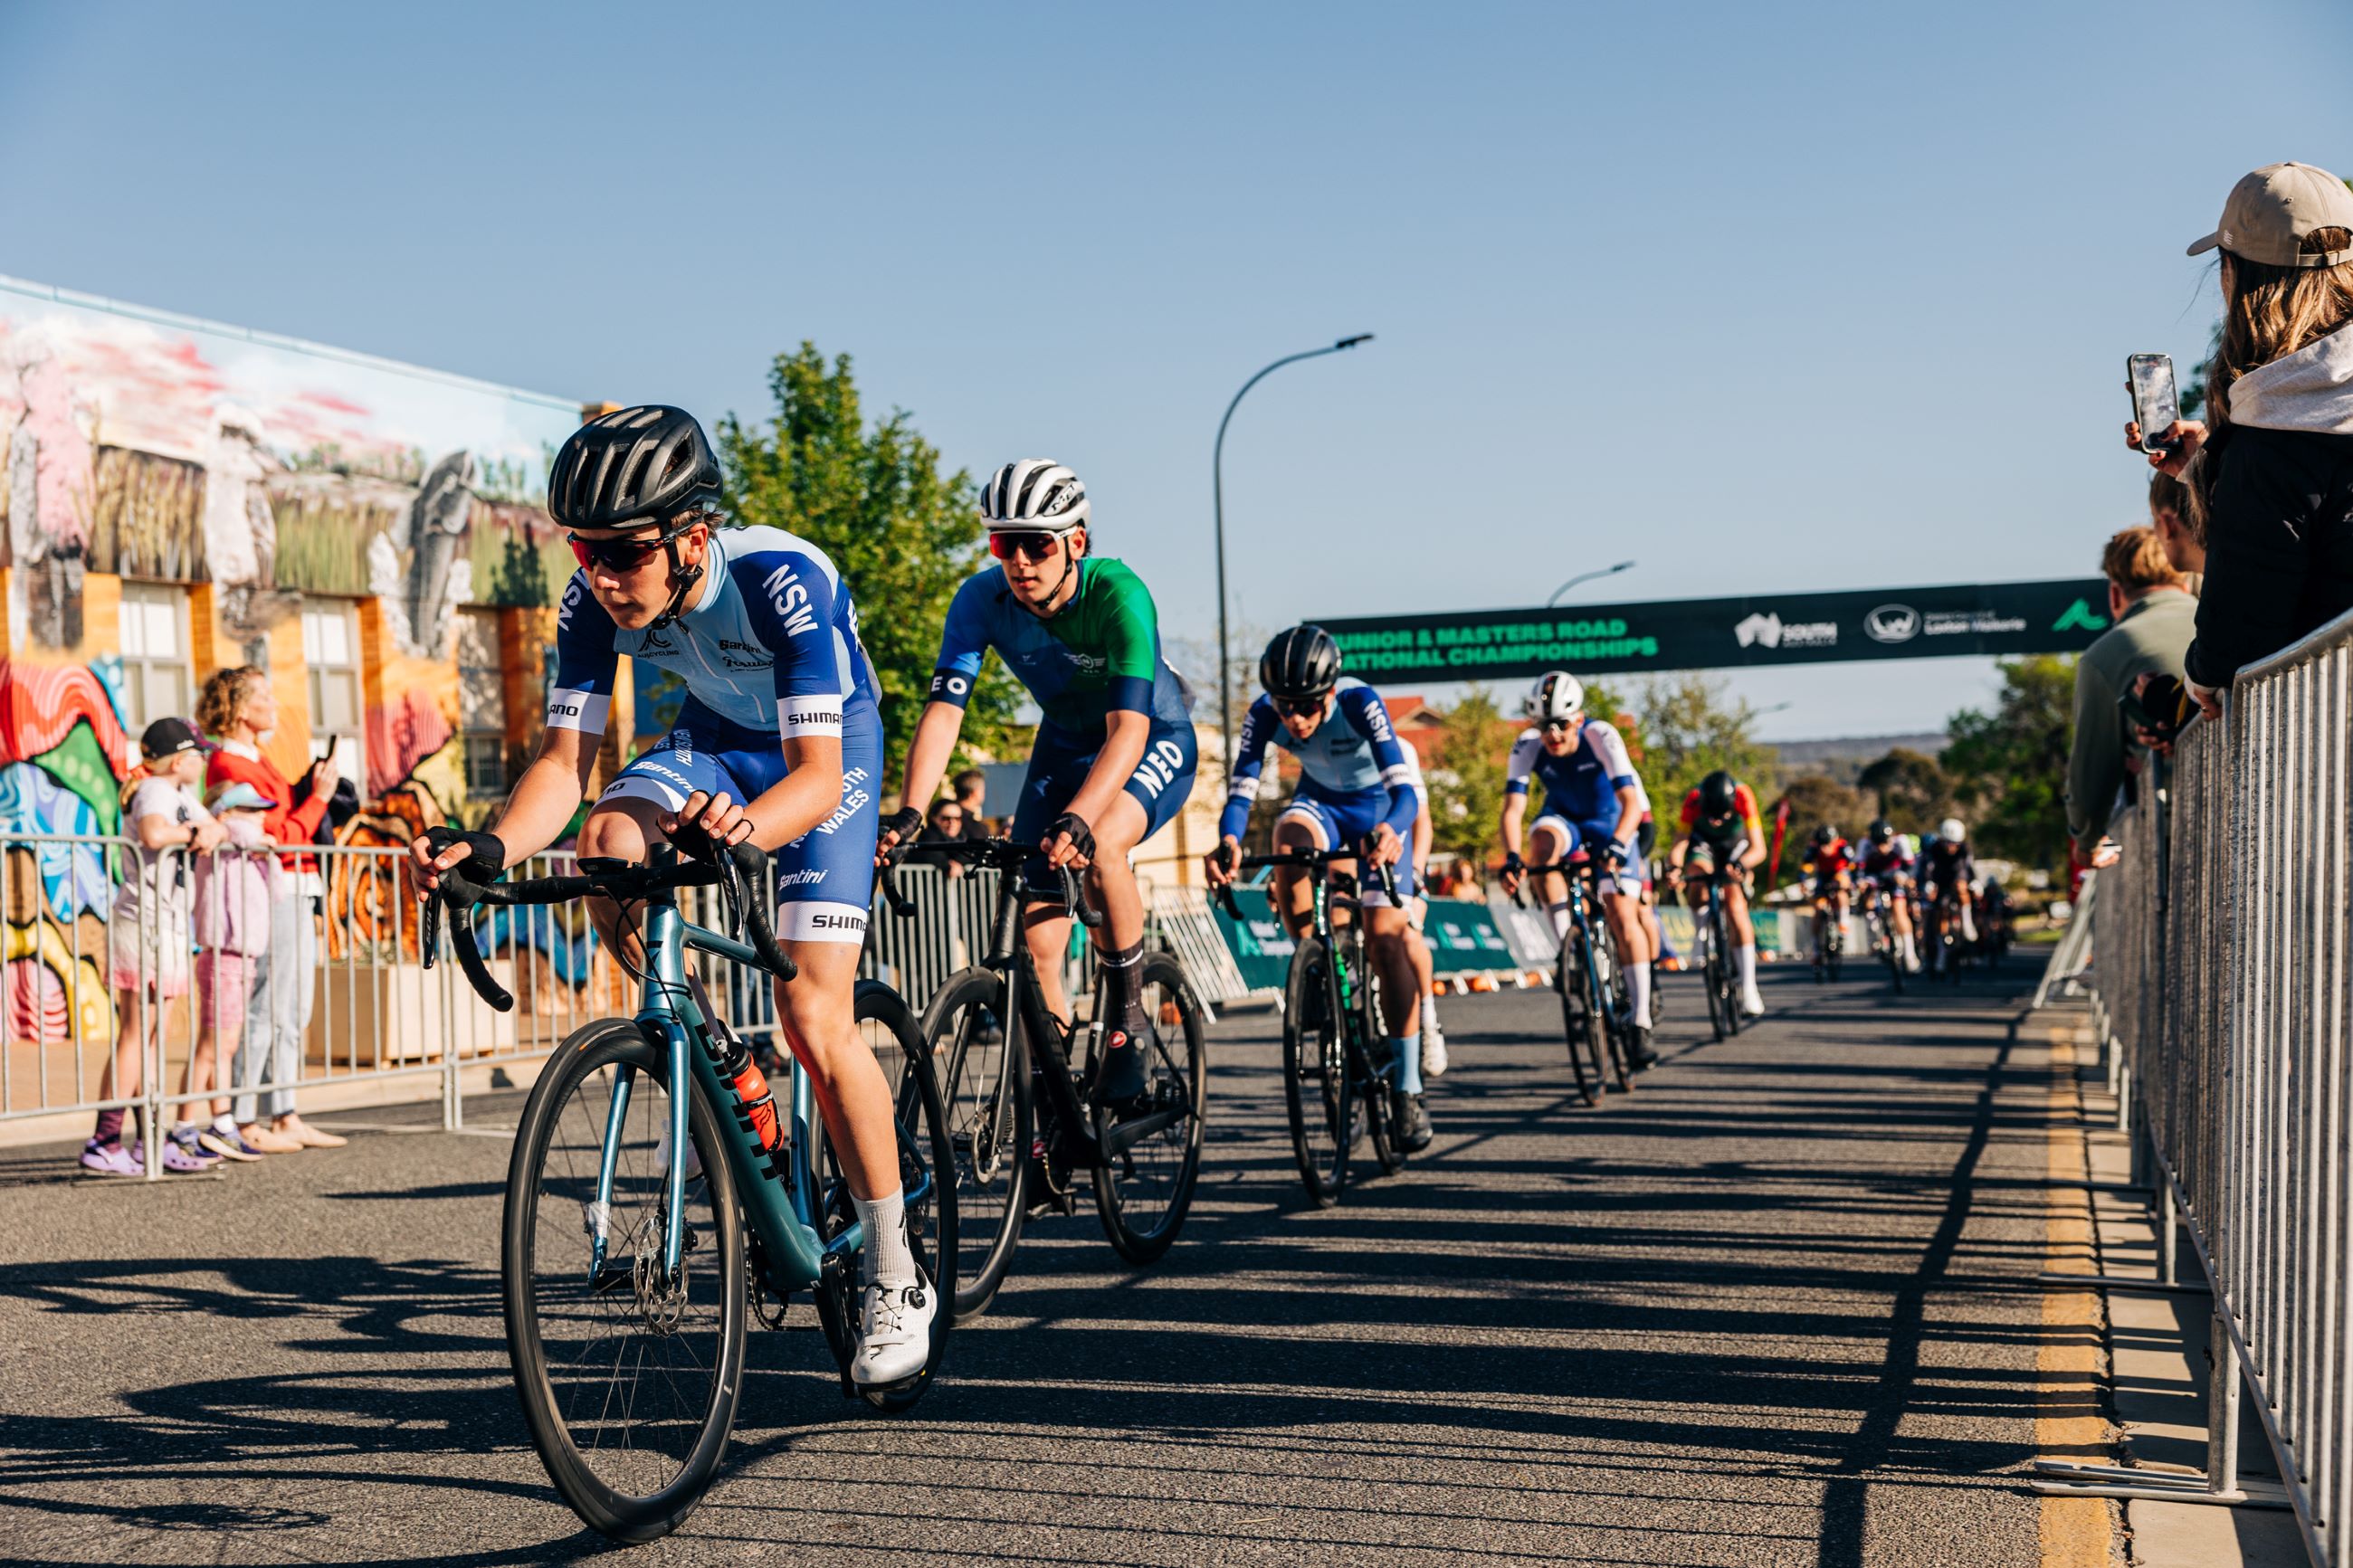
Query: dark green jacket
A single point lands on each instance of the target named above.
(2150, 638)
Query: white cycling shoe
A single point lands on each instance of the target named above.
(894, 1331)
(1433, 1047)
(1751, 1003)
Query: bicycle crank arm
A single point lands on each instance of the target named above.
(1128, 1134)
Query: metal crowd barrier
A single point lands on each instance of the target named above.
(358, 1007)
(2224, 988)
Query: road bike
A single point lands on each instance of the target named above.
(1335, 1078)
(1946, 943)
(1017, 1089)
(1594, 1017)
(1830, 938)
(629, 1272)
(1719, 977)
(1878, 930)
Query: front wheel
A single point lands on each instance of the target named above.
(986, 1088)
(1317, 1092)
(629, 1376)
(1152, 1156)
(1578, 1024)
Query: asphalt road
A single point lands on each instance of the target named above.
(1768, 1309)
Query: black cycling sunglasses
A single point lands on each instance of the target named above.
(620, 554)
(1559, 726)
(1029, 546)
(1296, 707)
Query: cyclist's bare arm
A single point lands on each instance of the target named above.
(1753, 855)
(1630, 820)
(927, 757)
(537, 812)
(1515, 814)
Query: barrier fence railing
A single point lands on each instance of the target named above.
(2224, 986)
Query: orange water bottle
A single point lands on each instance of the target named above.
(754, 1099)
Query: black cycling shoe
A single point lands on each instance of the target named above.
(1123, 1075)
(1639, 1054)
(1413, 1122)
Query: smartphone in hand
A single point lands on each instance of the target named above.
(2156, 407)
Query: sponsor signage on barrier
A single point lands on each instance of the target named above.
(2057, 617)
(1462, 937)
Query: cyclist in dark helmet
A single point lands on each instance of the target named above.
(779, 735)
(1722, 829)
(1883, 866)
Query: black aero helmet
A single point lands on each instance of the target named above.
(1300, 664)
(1825, 833)
(632, 466)
(1881, 830)
(1718, 795)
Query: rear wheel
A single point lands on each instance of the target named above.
(1578, 1023)
(986, 1088)
(1714, 966)
(1316, 1087)
(1152, 1157)
(630, 1378)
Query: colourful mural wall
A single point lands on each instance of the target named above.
(259, 474)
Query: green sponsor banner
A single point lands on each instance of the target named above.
(1462, 938)
(2062, 615)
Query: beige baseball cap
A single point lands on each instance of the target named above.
(2272, 210)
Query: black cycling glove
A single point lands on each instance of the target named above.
(906, 822)
(1083, 837)
(1613, 856)
(1513, 866)
(487, 849)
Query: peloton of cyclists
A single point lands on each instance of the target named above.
(1593, 802)
(779, 742)
(1356, 787)
(1723, 834)
(1114, 756)
(1884, 873)
(1829, 861)
(1946, 874)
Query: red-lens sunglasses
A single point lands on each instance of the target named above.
(620, 554)
(1029, 546)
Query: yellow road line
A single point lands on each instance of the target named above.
(2077, 1532)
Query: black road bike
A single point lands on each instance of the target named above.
(1719, 976)
(1336, 1085)
(1830, 938)
(1594, 1016)
(1878, 930)
(1016, 1085)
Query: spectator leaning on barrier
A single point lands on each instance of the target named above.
(2271, 482)
(147, 934)
(239, 712)
(236, 886)
(2155, 618)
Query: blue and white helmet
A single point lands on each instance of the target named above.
(1033, 495)
(1557, 695)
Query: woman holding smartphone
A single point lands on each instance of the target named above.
(2271, 477)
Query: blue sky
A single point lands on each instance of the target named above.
(1774, 297)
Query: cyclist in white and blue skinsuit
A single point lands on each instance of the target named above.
(1593, 801)
(779, 743)
(1354, 785)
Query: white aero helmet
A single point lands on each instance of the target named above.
(1555, 695)
(1033, 495)
(1951, 830)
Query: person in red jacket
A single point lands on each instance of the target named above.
(238, 710)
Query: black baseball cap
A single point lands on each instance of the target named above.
(168, 738)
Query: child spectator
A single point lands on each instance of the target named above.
(147, 935)
(235, 889)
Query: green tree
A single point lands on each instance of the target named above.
(1912, 790)
(1466, 776)
(1688, 730)
(903, 534)
(2009, 767)
(1813, 800)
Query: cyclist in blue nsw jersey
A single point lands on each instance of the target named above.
(778, 743)
(1593, 802)
(1114, 755)
(1356, 787)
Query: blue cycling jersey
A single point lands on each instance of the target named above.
(1583, 786)
(770, 644)
(1353, 756)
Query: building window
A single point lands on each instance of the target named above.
(482, 702)
(331, 669)
(157, 682)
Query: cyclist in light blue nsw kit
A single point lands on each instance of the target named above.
(1356, 785)
(778, 743)
(1114, 756)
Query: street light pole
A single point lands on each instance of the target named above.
(1586, 577)
(1217, 486)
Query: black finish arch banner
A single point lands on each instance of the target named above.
(1761, 629)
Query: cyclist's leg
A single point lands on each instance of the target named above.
(1549, 843)
(1057, 769)
(1744, 937)
(1390, 940)
(1155, 792)
(1305, 823)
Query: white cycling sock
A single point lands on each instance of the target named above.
(886, 1258)
(1407, 1053)
(1637, 991)
(1904, 948)
(1559, 913)
(1429, 1012)
(1749, 966)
